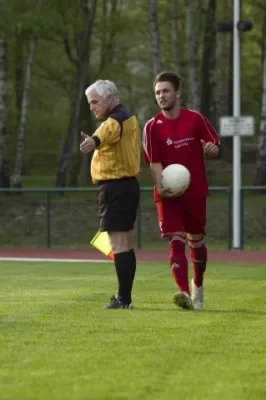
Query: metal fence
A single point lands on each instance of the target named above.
(67, 217)
(253, 217)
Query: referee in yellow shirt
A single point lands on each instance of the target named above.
(115, 166)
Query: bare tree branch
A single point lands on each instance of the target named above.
(66, 41)
(68, 50)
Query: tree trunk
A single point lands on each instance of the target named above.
(79, 174)
(18, 67)
(24, 109)
(174, 36)
(110, 13)
(3, 87)
(260, 175)
(79, 92)
(85, 173)
(223, 65)
(194, 97)
(80, 169)
(4, 170)
(225, 80)
(155, 37)
(209, 64)
(80, 166)
(222, 100)
(23, 117)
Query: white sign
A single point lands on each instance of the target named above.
(237, 126)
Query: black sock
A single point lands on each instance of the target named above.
(125, 264)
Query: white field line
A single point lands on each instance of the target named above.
(52, 259)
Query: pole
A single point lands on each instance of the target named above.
(236, 138)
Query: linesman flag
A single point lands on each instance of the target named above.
(101, 242)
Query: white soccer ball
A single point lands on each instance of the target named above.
(176, 177)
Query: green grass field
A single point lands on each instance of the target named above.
(57, 342)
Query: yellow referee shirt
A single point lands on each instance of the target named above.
(117, 153)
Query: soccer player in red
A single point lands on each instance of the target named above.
(181, 136)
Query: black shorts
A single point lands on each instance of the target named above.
(118, 201)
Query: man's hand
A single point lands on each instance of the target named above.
(166, 193)
(210, 148)
(88, 144)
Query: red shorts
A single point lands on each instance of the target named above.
(182, 215)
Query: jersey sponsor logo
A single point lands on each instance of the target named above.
(179, 143)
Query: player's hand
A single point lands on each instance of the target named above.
(88, 144)
(166, 193)
(210, 148)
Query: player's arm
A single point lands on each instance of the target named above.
(209, 137)
(108, 133)
(151, 147)
(146, 143)
(156, 173)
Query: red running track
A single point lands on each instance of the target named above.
(227, 256)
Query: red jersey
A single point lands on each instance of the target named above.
(178, 141)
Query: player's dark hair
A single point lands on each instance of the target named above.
(171, 77)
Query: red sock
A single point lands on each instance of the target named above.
(179, 263)
(198, 254)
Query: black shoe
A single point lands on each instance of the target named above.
(116, 303)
